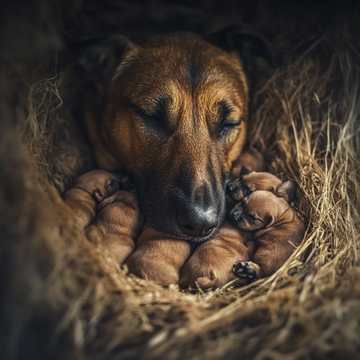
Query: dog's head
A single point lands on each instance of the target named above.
(247, 184)
(258, 210)
(173, 110)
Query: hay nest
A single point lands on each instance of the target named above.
(61, 299)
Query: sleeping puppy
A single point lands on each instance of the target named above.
(251, 159)
(157, 257)
(116, 226)
(211, 266)
(278, 230)
(88, 190)
(239, 189)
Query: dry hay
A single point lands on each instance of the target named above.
(60, 299)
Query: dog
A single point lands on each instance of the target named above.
(211, 265)
(278, 230)
(247, 184)
(212, 262)
(157, 257)
(116, 226)
(88, 191)
(251, 159)
(172, 108)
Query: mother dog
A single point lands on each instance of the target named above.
(172, 110)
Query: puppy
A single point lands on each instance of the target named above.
(251, 159)
(212, 263)
(278, 230)
(116, 226)
(239, 189)
(88, 190)
(157, 257)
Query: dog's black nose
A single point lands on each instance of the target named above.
(197, 222)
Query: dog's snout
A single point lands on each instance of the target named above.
(198, 211)
(197, 222)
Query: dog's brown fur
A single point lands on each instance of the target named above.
(211, 264)
(157, 257)
(87, 191)
(251, 159)
(278, 231)
(116, 226)
(176, 110)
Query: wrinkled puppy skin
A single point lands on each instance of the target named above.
(116, 226)
(157, 257)
(278, 230)
(212, 263)
(88, 190)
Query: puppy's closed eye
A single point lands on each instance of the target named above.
(254, 219)
(244, 171)
(246, 191)
(113, 187)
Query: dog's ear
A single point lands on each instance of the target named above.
(100, 60)
(287, 191)
(247, 43)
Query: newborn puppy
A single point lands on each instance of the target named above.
(157, 257)
(211, 265)
(251, 159)
(88, 190)
(239, 189)
(117, 225)
(278, 230)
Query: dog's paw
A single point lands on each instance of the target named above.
(245, 270)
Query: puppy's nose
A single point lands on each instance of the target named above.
(197, 222)
(231, 188)
(236, 215)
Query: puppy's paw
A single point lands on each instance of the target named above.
(246, 270)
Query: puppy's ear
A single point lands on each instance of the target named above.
(98, 194)
(100, 60)
(247, 43)
(270, 221)
(287, 190)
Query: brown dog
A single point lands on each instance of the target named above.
(117, 225)
(251, 159)
(251, 182)
(157, 257)
(211, 265)
(88, 190)
(172, 108)
(278, 230)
